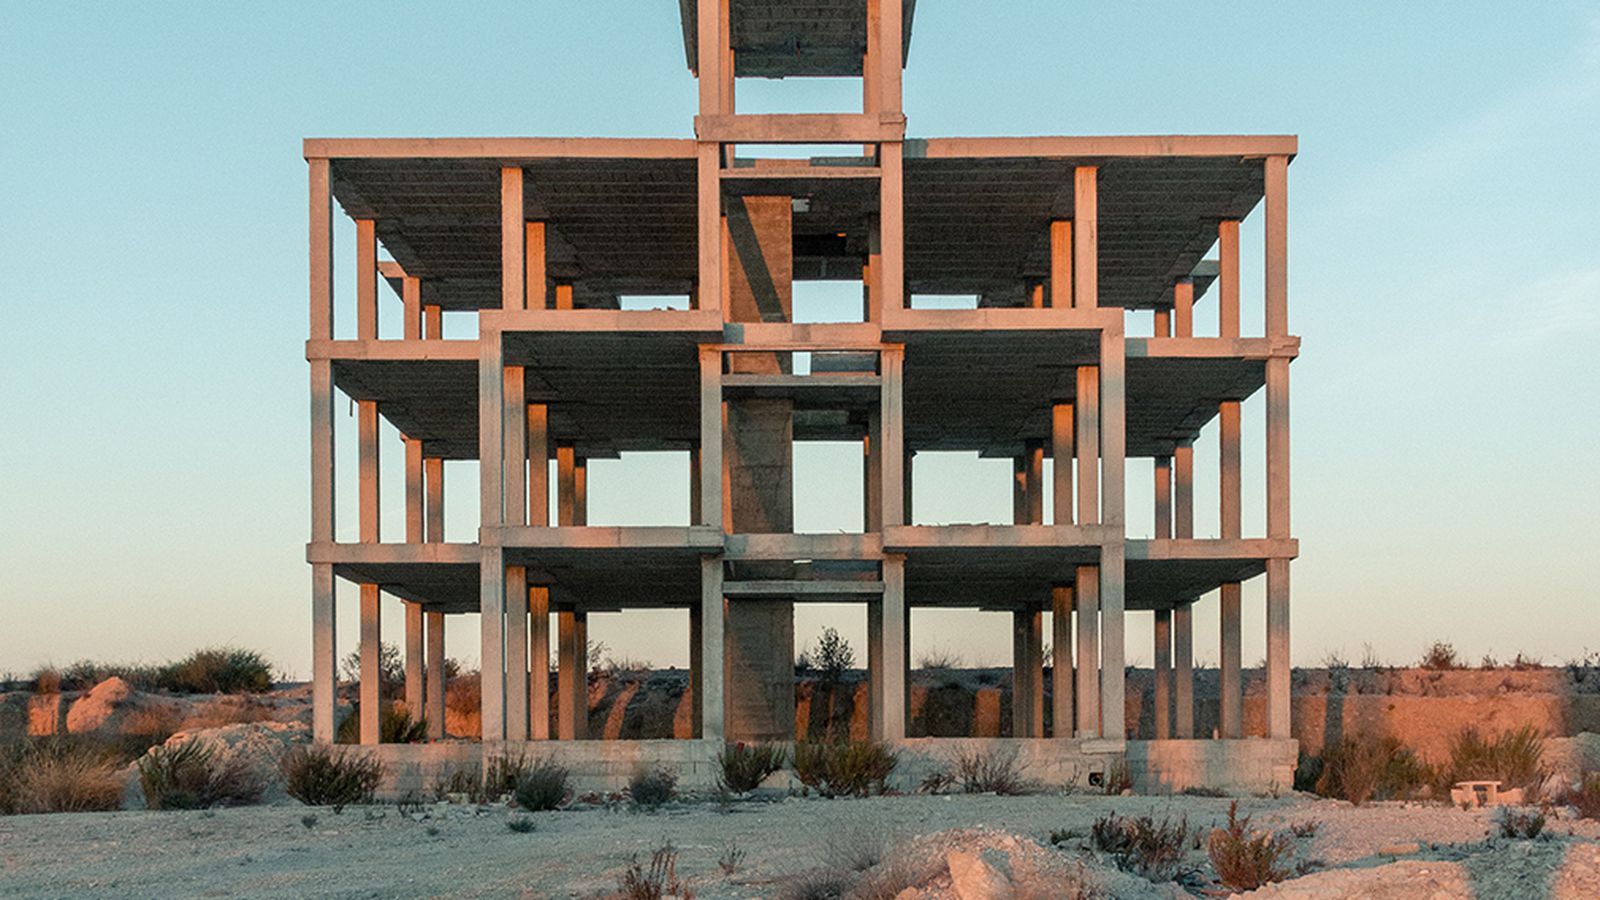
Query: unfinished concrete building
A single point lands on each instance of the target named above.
(1059, 241)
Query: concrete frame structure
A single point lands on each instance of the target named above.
(1057, 238)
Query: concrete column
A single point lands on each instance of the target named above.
(711, 55)
(695, 511)
(435, 678)
(1276, 178)
(709, 214)
(1162, 323)
(580, 491)
(320, 229)
(875, 678)
(1183, 670)
(711, 467)
(891, 217)
(513, 240)
(414, 491)
(905, 476)
(1033, 482)
(896, 649)
(891, 411)
(696, 670)
(539, 663)
(432, 322)
(492, 608)
(538, 431)
(871, 59)
(1113, 674)
(1087, 599)
(1232, 689)
(322, 463)
(872, 272)
(433, 478)
(1183, 490)
(371, 667)
(1113, 430)
(517, 705)
(1061, 687)
(890, 34)
(1061, 264)
(564, 295)
(514, 455)
(1163, 674)
(411, 304)
(872, 476)
(1278, 670)
(1061, 450)
(1022, 673)
(366, 280)
(324, 655)
(713, 676)
(414, 661)
(1163, 469)
(1278, 673)
(1183, 308)
(571, 679)
(367, 493)
(533, 254)
(1088, 443)
(1228, 279)
(491, 384)
(1086, 237)
(566, 485)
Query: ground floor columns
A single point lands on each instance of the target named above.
(893, 712)
(434, 676)
(324, 655)
(371, 666)
(1027, 673)
(1087, 599)
(414, 660)
(516, 652)
(1278, 672)
(539, 663)
(875, 670)
(712, 618)
(1061, 662)
(1163, 674)
(572, 675)
(1183, 670)
(492, 606)
(1113, 689)
(696, 669)
(1230, 674)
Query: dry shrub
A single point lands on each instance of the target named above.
(1523, 824)
(743, 767)
(1363, 768)
(1245, 861)
(503, 774)
(59, 776)
(1585, 797)
(542, 786)
(990, 773)
(462, 780)
(218, 670)
(229, 711)
(854, 848)
(818, 884)
(658, 880)
(192, 775)
(651, 788)
(1513, 758)
(1118, 778)
(1440, 656)
(464, 695)
(47, 680)
(844, 768)
(395, 726)
(322, 776)
(1153, 850)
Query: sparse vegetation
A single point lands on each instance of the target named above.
(463, 781)
(1305, 829)
(213, 670)
(743, 767)
(993, 772)
(1117, 779)
(1143, 846)
(1585, 796)
(830, 657)
(1440, 656)
(323, 776)
(1520, 823)
(503, 774)
(542, 786)
(59, 775)
(521, 825)
(844, 768)
(732, 857)
(1369, 658)
(855, 848)
(1244, 860)
(651, 788)
(658, 880)
(192, 775)
(395, 726)
(941, 659)
(391, 668)
(1362, 768)
(1513, 758)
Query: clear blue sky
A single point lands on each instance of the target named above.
(1445, 275)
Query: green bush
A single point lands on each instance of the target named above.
(323, 776)
(190, 775)
(1363, 768)
(831, 658)
(542, 786)
(395, 726)
(1513, 758)
(844, 768)
(743, 767)
(53, 775)
(651, 788)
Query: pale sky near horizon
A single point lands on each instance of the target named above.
(1444, 276)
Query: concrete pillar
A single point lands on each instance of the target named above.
(1086, 238)
(1276, 178)
(514, 454)
(371, 666)
(696, 670)
(580, 491)
(491, 628)
(1113, 674)
(896, 649)
(872, 476)
(572, 676)
(1113, 430)
(710, 455)
(367, 486)
(366, 280)
(890, 34)
(891, 218)
(491, 385)
(513, 240)
(1061, 450)
(435, 677)
(712, 56)
(432, 322)
(1231, 699)
(517, 704)
(695, 511)
(566, 485)
(433, 477)
(1162, 323)
(1061, 264)
(1183, 670)
(538, 451)
(411, 305)
(320, 229)
(1279, 675)
(1183, 308)
(324, 655)
(1027, 673)
(1163, 470)
(875, 678)
(1163, 674)
(709, 214)
(539, 663)
(1276, 185)
(896, 475)
(1183, 490)
(713, 674)
(1228, 279)
(1087, 599)
(533, 254)
(910, 457)
(1061, 687)
(414, 661)
(1088, 444)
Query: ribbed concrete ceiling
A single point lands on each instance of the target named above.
(784, 38)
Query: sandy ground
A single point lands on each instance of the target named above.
(464, 851)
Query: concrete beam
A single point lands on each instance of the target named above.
(371, 666)
(324, 654)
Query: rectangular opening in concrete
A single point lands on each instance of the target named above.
(640, 488)
(652, 301)
(842, 94)
(959, 487)
(829, 487)
(943, 301)
(460, 325)
(818, 154)
(829, 301)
